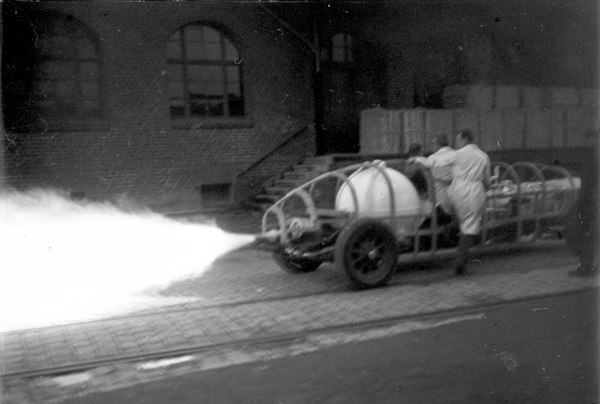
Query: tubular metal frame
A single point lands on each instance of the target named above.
(538, 203)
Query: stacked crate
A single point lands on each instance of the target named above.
(501, 118)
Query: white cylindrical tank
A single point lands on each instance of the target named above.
(373, 196)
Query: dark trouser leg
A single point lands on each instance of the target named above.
(464, 244)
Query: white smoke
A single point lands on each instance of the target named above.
(64, 261)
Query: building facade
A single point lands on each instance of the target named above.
(160, 101)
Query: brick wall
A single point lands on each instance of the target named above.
(135, 150)
(506, 42)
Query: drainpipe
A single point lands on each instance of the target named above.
(3, 180)
(318, 91)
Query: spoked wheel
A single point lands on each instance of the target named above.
(366, 251)
(292, 264)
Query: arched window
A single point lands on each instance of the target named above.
(50, 72)
(65, 80)
(204, 74)
(338, 49)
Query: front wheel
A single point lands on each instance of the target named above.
(366, 251)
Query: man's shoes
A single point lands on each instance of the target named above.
(583, 273)
(584, 270)
(460, 270)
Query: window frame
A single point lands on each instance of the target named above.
(82, 116)
(188, 119)
(46, 115)
(348, 49)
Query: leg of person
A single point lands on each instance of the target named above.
(587, 250)
(470, 226)
(462, 254)
(587, 261)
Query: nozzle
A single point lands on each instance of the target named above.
(270, 236)
(267, 240)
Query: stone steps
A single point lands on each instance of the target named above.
(294, 177)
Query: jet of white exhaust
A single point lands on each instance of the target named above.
(64, 261)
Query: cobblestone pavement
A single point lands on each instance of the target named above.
(245, 297)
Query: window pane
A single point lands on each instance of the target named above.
(338, 54)
(66, 90)
(63, 71)
(338, 40)
(204, 107)
(89, 91)
(231, 53)
(47, 107)
(88, 71)
(205, 74)
(196, 90)
(194, 50)
(173, 49)
(42, 89)
(177, 107)
(59, 27)
(233, 74)
(211, 35)
(176, 90)
(193, 33)
(174, 73)
(90, 106)
(214, 89)
(233, 89)
(87, 50)
(213, 51)
(45, 70)
(236, 107)
(58, 47)
(233, 83)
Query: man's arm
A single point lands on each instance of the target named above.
(487, 175)
(418, 159)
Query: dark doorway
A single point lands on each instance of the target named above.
(339, 114)
(351, 79)
(340, 121)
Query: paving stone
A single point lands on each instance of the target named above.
(235, 308)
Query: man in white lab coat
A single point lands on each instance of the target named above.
(467, 193)
(440, 162)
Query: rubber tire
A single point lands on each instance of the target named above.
(295, 265)
(348, 249)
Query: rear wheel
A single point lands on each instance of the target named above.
(366, 251)
(292, 264)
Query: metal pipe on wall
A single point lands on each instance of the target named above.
(3, 179)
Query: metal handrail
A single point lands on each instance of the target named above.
(273, 151)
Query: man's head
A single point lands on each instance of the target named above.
(591, 138)
(415, 150)
(439, 141)
(463, 138)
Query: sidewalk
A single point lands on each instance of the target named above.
(248, 316)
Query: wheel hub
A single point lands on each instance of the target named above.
(374, 255)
